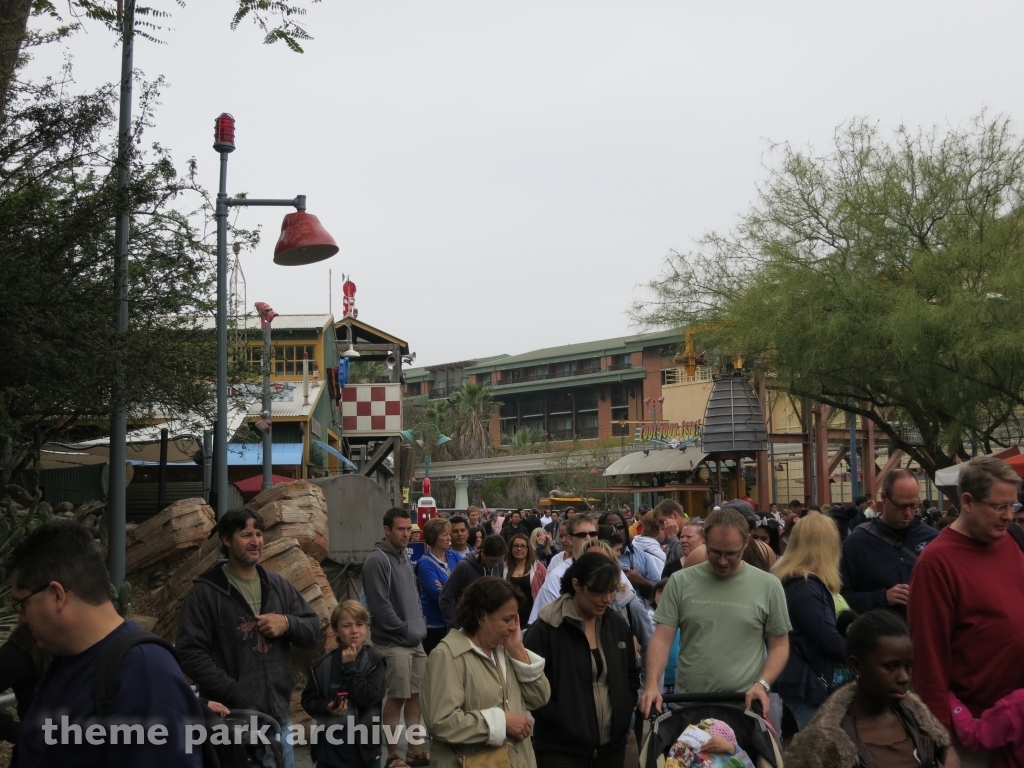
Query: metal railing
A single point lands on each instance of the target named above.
(678, 375)
(528, 377)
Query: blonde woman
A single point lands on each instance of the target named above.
(809, 572)
(540, 541)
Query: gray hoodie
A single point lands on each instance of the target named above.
(393, 598)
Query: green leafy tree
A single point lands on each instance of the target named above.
(58, 201)
(884, 278)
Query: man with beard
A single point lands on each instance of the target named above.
(238, 625)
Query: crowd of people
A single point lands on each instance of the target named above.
(870, 636)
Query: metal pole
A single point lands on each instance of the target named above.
(207, 464)
(161, 488)
(119, 420)
(268, 450)
(853, 457)
(220, 429)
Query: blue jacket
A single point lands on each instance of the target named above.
(870, 566)
(647, 566)
(432, 576)
(815, 645)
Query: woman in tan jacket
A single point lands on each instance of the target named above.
(481, 682)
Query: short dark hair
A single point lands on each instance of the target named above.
(484, 596)
(894, 475)
(391, 514)
(859, 500)
(458, 519)
(795, 503)
(863, 634)
(666, 507)
(492, 546)
(727, 517)
(594, 570)
(65, 552)
(236, 520)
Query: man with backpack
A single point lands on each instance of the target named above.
(879, 557)
(114, 694)
(238, 624)
(397, 628)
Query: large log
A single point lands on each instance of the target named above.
(185, 524)
(285, 556)
(295, 510)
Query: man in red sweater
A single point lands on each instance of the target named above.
(966, 614)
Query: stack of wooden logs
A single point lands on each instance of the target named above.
(296, 540)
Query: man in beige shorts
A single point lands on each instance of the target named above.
(397, 629)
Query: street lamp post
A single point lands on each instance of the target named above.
(410, 434)
(303, 240)
(266, 421)
(655, 407)
(119, 418)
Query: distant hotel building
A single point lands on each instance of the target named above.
(577, 391)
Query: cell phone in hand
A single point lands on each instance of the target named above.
(339, 697)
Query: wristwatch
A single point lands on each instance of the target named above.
(767, 688)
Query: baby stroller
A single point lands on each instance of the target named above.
(752, 732)
(248, 754)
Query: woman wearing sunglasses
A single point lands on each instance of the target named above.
(585, 725)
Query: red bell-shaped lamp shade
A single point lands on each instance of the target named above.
(303, 240)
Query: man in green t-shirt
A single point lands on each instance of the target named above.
(727, 612)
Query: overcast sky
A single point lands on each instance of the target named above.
(501, 176)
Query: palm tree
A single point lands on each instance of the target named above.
(472, 406)
(524, 441)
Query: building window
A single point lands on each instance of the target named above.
(286, 358)
(620, 362)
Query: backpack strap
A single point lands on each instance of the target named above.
(1018, 535)
(110, 663)
(891, 540)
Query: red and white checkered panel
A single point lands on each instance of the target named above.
(368, 409)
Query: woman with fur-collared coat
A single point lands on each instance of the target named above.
(873, 722)
(462, 696)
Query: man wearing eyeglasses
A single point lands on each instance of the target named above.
(966, 614)
(880, 555)
(61, 590)
(580, 529)
(728, 613)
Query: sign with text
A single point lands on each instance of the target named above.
(667, 432)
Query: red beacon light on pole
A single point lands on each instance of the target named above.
(224, 133)
(426, 507)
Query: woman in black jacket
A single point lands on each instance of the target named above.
(809, 572)
(591, 664)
